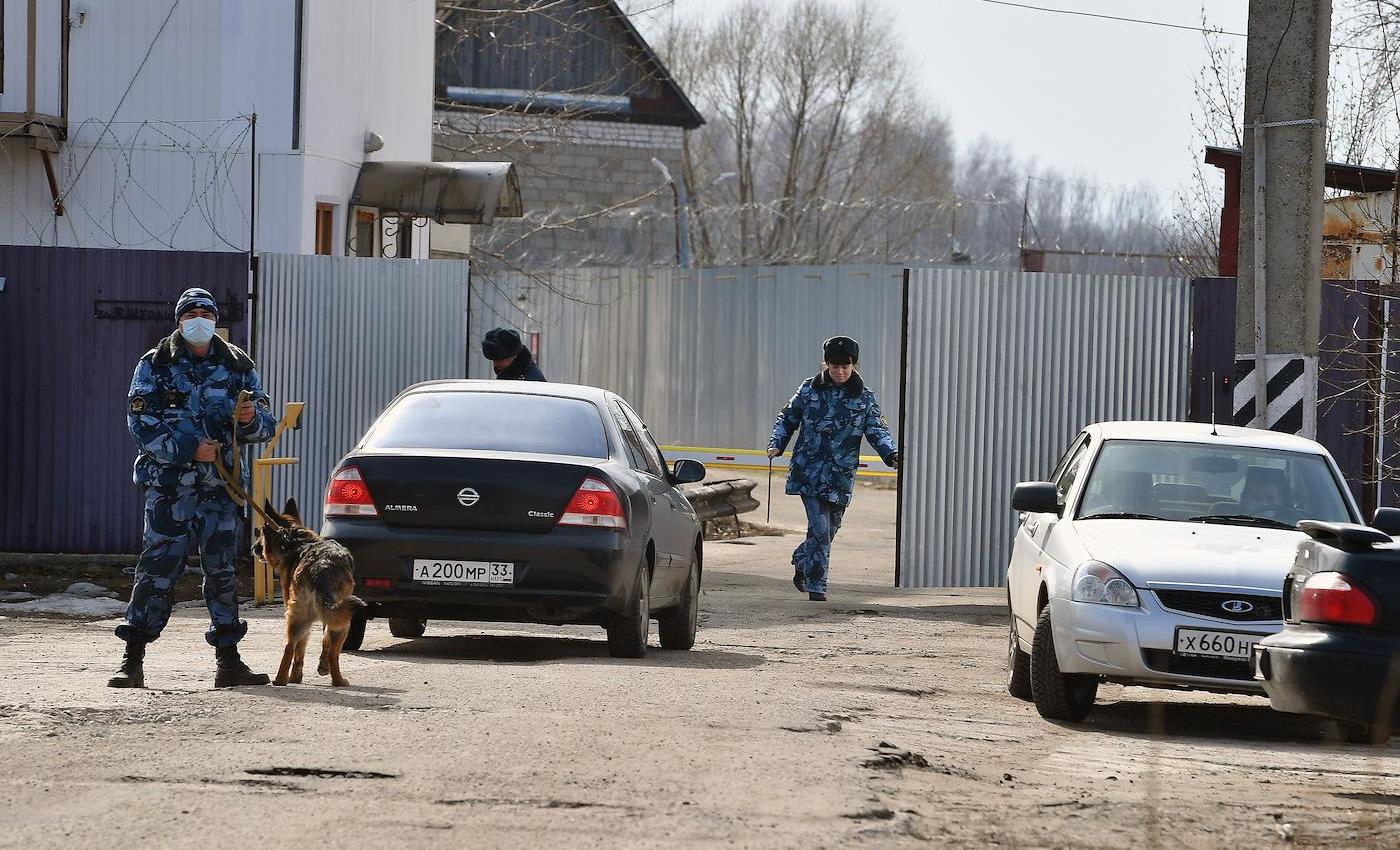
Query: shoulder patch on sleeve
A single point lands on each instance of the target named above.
(138, 404)
(264, 403)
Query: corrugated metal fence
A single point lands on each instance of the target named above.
(73, 322)
(707, 356)
(345, 335)
(1003, 369)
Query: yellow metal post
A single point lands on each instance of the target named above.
(264, 582)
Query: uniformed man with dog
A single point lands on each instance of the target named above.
(183, 411)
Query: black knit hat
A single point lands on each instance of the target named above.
(195, 298)
(500, 344)
(841, 349)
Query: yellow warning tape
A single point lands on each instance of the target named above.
(736, 453)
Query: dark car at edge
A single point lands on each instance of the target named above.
(510, 502)
(1338, 655)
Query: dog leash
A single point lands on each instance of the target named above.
(232, 485)
(769, 500)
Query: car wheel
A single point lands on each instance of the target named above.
(1057, 696)
(407, 627)
(627, 635)
(355, 636)
(1362, 733)
(677, 627)
(1018, 664)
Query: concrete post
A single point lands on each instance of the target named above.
(1285, 93)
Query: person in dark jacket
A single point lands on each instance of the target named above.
(509, 357)
(830, 413)
(183, 410)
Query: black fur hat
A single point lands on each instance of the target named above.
(841, 349)
(500, 344)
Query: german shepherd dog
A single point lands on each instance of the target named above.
(318, 583)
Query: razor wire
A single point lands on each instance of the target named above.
(143, 184)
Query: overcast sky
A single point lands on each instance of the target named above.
(1105, 100)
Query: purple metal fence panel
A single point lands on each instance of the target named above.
(1347, 355)
(1212, 347)
(73, 322)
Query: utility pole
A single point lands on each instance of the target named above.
(1279, 301)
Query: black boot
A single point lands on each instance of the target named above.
(130, 675)
(232, 672)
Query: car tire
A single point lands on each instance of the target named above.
(677, 627)
(355, 636)
(1362, 733)
(627, 634)
(1057, 696)
(407, 627)
(1018, 663)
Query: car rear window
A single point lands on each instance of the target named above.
(491, 422)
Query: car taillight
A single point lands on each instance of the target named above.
(1337, 598)
(595, 504)
(348, 495)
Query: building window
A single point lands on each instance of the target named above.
(325, 229)
(363, 236)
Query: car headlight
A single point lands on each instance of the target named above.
(1100, 583)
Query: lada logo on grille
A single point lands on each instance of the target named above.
(1237, 606)
(467, 497)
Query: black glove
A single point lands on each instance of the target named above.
(896, 459)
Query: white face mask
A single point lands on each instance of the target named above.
(197, 331)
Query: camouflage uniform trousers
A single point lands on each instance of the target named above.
(813, 557)
(179, 520)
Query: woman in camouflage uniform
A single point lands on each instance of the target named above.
(830, 414)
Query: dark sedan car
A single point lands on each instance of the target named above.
(518, 502)
(1338, 655)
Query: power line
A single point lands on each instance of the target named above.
(1165, 24)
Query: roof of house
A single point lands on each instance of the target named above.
(1337, 175)
(580, 58)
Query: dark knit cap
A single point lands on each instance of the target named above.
(500, 344)
(195, 297)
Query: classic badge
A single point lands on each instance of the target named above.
(138, 404)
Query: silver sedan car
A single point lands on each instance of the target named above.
(1155, 555)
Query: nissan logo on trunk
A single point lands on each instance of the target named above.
(1237, 606)
(467, 497)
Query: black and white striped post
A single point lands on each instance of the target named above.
(1291, 392)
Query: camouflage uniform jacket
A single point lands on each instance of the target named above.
(832, 420)
(177, 399)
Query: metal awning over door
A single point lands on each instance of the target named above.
(446, 192)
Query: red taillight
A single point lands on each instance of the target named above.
(1337, 598)
(595, 504)
(378, 583)
(348, 495)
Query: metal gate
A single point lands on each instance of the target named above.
(345, 335)
(74, 321)
(1001, 370)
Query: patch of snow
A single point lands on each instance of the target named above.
(88, 590)
(16, 596)
(75, 606)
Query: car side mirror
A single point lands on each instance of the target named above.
(688, 471)
(1036, 497)
(1387, 520)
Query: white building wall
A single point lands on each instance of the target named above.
(170, 167)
